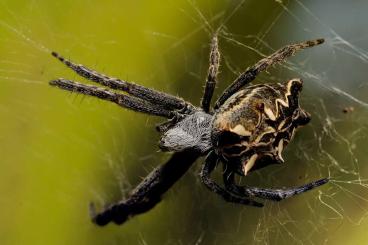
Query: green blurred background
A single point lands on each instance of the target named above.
(59, 151)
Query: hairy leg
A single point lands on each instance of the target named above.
(148, 193)
(212, 75)
(150, 95)
(251, 73)
(208, 167)
(125, 101)
(271, 194)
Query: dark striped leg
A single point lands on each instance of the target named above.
(208, 167)
(125, 101)
(251, 73)
(271, 194)
(149, 192)
(150, 95)
(212, 75)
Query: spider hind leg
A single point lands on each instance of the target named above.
(250, 74)
(208, 167)
(264, 193)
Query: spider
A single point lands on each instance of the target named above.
(247, 129)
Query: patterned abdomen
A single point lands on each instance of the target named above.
(258, 122)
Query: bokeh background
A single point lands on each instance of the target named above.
(59, 150)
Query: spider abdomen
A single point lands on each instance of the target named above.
(257, 122)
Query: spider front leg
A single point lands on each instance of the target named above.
(212, 75)
(148, 193)
(208, 167)
(270, 194)
(125, 101)
(155, 97)
(251, 73)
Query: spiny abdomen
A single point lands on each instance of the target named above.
(257, 120)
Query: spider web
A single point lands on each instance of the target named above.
(332, 145)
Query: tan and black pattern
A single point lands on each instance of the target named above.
(258, 122)
(246, 129)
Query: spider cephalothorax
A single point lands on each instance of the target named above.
(247, 129)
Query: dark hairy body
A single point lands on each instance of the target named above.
(247, 129)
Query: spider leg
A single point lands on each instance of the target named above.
(208, 167)
(251, 73)
(148, 193)
(212, 75)
(125, 101)
(270, 194)
(150, 95)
